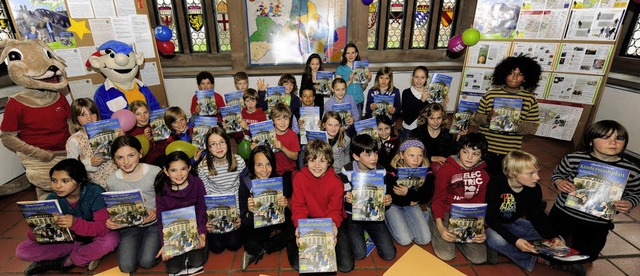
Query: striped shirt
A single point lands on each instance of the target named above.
(568, 169)
(500, 142)
(224, 182)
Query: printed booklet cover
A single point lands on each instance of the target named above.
(367, 126)
(360, 70)
(506, 114)
(232, 117)
(234, 98)
(207, 102)
(263, 133)
(344, 110)
(368, 196)
(412, 177)
(41, 217)
(101, 135)
(316, 252)
(180, 231)
(563, 253)
(159, 130)
(265, 195)
(125, 207)
(439, 88)
(222, 212)
(462, 118)
(317, 135)
(383, 102)
(467, 220)
(275, 95)
(323, 82)
(202, 125)
(310, 115)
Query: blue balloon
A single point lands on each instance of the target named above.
(163, 33)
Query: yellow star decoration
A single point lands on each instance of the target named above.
(78, 27)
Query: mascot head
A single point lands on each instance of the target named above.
(117, 61)
(32, 64)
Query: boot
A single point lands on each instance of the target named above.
(44, 266)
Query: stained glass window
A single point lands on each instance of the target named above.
(633, 46)
(373, 23)
(395, 24)
(167, 17)
(222, 25)
(447, 22)
(196, 26)
(5, 26)
(421, 20)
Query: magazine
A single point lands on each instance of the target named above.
(222, 212)
(263, 133)
(344, 110)
(41, 217)
(316, 250)
(310, 115)
(369, 242)
(506, 114)
(323, 82)
(275, 95)
(367, 126)
(265, 195)
(467, 220)
(463, 117)
(563, 253)
(202, 125)
(383, 102)
(412, 177)
(317, 135)
(125, 207)
(207, 102)
(101, 135)
(180, 231)
(159, 130)
(368, 196)
(439, 88)
(360, 70)
(232, 118)
(597, 187)
(234, 98)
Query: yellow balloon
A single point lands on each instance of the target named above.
(182, 146)
(144, 142)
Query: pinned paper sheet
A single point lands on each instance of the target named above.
(418, 261)
(112, 272)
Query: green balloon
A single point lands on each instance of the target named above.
(244, 149)
(470, 37)
(182, 146)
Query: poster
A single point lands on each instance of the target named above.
(545, 4)
(497, 19)
(594, 24)
(543, 53)
(558, 119)
(543, 85)
(574, 88)
(476, 80)
(488, 53)
(599, 4)
(543, 24)
(288, 31)
(584, 58)
(44, 20)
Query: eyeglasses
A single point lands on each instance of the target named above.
(214, 144)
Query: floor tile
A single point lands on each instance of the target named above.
(14, 264)
(629, 232)
(466, 269)
(603, 267)
(9, 219)
(628, 265)
(222, 261)
(268, 261)
(621, 217)
(498, 269)
(359, 272)
(18, 231)
(616, 246)
(544, 270)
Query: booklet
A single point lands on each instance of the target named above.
(506, 114)
(275, 95)
(439, 88)
(159, 130)
(180, 231)
(316, 251)
(263, 133)
(383, 102)
(202, 125)
(317, 135)
(265, 195)
(207, 102)
(125, 207)
(222, 212)
(412, 178)
(234, 98)
(367, 126)
(101, 135)
(467, 220)
(323, 82)
(360, 70)
(41, 217)
(368, 196)
(344, 110)
(463, 116)
(310, 115)
(232, 118)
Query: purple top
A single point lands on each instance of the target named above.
(193, 194)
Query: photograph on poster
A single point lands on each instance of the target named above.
(497, 19)
(584, 58)
(477, 80)
(488, 53)
(574, 88)
(543, 53)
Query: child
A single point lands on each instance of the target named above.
(513, 78)
(266, 240)
(404, 217)
(206, 81)
(602, 142)
(414, 99)
(364, 150)
(291, 90)
(313, 65)
(251, 114)
(317, 193)
(384, 86)
(338, 140)
(338, 86)
(176, 121)
(434, 135)
(241, 81)
(139, 244)
(220, 171)
(388, 141)
(307, 98)
(84, 111)
(514, 213)
(85, 215)
(156, 150)
(461, 179)
(175, 188)
(345, 71)
(286, 142)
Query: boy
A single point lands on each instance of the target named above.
(461, 179)
(251, 113)
(307, 98)
(317, 193)
(241, 82)
(339, 95)
(364, 151)
(286, 142)
(206, 82)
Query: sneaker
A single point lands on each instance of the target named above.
(44, 266)
(492, 256)
(247, 259)
(195, 270)
(93, 264)
(575, 269)
(183, 272)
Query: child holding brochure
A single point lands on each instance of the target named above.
(339, 96)
(383, 86)
(433, 133)
(286, 143)
(313, 65)
(338, 140)
(345, 71)
(143, 127)
(389, 141)
(206, 81)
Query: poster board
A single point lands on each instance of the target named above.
(75, 28)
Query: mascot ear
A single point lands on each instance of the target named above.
(95, 62)
(139, 58)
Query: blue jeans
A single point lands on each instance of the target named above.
(523, 229)
(379, 234)
(407, 224)
(138, 247)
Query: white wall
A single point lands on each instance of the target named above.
(623, 105)
(11, 166)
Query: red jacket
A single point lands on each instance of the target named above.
(317, 197)
(455, 184)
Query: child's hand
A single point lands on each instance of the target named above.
(400, 190)
(148, 134)
(413, 203)
(387, 200)
(391, 109)
(301, 123)
(282, 201)
(349, 121)
(261, 85)
(65, 221)
(425, 95)
(565, 186)
(198, 155)
(243, 124)
(112, 225)
(557, 241)
(335, 234)
(97, 160)
(209, 226)
(253, 145)
(236, 224)
(525, 246)
(373, 106)
(203, 241)
(224, 125)
(445, 234)
(480, 238)
(251, 204)
(151, 217)
(297, 237)
(119, 132)
(277, 144)
(350, 77)
(197, 109)
(623, 205)
(462, 132)
(161, 253)
(348, 197)
(438, 159)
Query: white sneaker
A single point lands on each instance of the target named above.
(183, 272)
(195, 270)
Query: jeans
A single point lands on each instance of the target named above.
(407, 224)
(475, 252)
(523, 229)
(80, 254)
(587, 237)
(379, 234)
(344, 256)
(138, 246)
(219, 242)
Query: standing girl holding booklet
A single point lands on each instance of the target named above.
(141, 110)
(384, 86)
(338, 140)
(220, 170)
(85, 214)
(99, 167)
(139, 245)
(313, 65)
(176, 188)
(414, 99)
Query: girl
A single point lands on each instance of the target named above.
(291, 93)
(84, 213)
(339, 96)
(175, 188)
(432, 132)
(266, 240)
(388, 141)
(338, 140)
(141, 110)
(414, 99)
(139, 244)
(220, 171)
(84, 111)
(404, 217)
(602, 142)
(314, 64)
(345, 71)
(384, 86)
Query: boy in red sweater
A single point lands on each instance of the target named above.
(318, 193)
(251, 113)
(287, 143)
(206, 82)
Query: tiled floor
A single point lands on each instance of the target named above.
(621, 256)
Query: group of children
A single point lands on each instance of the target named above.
(318, 180)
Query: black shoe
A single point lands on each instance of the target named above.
(575, 269)
(492, 256)
(44, 266)
(248, 259)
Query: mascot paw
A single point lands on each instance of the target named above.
(44, 156)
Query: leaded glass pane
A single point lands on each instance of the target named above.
(421, 19)
(222, 25)
(447, 22)
(167, 17)
(633, 47)
(395, 24)
(196, 26)
(373, 23)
